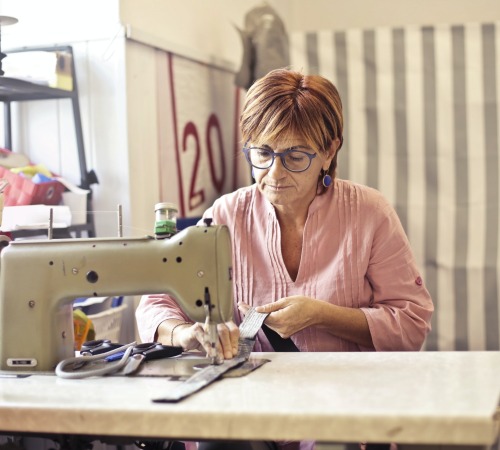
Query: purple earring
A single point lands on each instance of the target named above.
(327, 179)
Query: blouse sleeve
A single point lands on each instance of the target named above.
(400, 309)
(153, 310)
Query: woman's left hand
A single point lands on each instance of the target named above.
(288, 315)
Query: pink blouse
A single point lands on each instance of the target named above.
(355, 253)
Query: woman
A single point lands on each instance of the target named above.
(327, 258)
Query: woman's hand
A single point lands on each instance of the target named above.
(196, 337)
(288, 315)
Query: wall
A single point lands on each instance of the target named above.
(342, 15)
(195, 28)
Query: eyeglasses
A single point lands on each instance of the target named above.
(292, 159)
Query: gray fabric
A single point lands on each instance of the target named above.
(431, 175)
(400, 124)
(342, 84)
(462, 187)
(371, 108)
(265, 45)
(490, 80)
(312, 52)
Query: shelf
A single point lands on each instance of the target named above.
(57, 233)
(16, 90)
(20, 90)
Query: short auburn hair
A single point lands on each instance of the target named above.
(286, 103)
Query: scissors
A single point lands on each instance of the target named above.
(107, 358)
(150, 351)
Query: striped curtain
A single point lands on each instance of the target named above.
(422, 126)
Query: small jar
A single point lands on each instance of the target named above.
(165, 220)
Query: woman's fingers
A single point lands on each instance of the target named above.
(229, 335)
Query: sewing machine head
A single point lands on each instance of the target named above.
(40, 279)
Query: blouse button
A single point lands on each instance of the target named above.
(419, 281)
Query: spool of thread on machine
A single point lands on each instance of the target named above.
(165, 220)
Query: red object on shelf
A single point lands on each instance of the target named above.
(22, 191)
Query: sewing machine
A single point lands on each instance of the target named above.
(39, 280)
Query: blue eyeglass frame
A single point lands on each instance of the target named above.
(281, 156)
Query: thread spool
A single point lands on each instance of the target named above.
(165, 220)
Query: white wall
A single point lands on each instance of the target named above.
(58, 21)
(197, 28)
(313, 15)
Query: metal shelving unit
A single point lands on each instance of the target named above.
(16, 90)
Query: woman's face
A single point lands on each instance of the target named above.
(287, 189)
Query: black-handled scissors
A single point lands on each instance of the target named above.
(150, 351)
(79, 362)
(116, 357)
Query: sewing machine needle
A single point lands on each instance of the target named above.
(212, 332)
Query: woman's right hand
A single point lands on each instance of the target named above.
(196, 337)
(186, 336)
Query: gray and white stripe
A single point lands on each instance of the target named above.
(421, 125)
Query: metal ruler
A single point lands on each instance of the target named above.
(248, 330)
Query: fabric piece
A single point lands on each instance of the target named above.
(265, 45)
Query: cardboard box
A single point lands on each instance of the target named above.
(48, 68)
(76, 199)
(34, 217)
(77, 203)
(22, 191)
